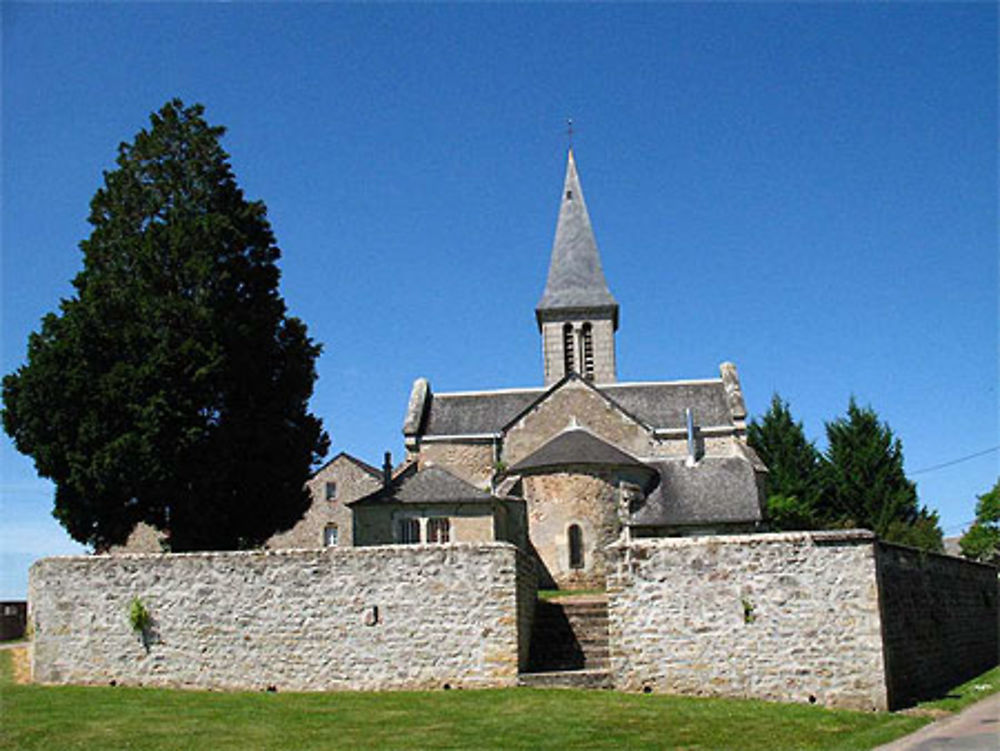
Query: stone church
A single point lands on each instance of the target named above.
(563, 469)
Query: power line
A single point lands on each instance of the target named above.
(954, 461)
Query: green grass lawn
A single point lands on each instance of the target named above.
(968, 693)
(75, 717)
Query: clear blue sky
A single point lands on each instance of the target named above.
(809, 190)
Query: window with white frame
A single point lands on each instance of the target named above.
(408, 530)
(331, 535)
(438, 529)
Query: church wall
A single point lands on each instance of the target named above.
(296, 620)
(786, 617)
(472, 462)
(559, 499)
(590, 411)
(939, 621)
(352, 483)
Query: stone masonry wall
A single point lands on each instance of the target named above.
(585, 497)
(467, 460)
(295, 620)
(939, 621)
(787, 617)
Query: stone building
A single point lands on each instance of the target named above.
(573, 465)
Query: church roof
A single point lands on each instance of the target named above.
(428, 485)
(576, 446)
(575, 279)
(658, 405)
(716, 490)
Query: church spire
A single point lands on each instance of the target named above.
(577, 315)
(576, 280)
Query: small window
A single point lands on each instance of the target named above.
(438, 530)
(330, 535)
(10, 609)
(409, 531)
(575, 546)
(331, 491)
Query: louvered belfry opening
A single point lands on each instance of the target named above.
(568, 358)
(588, 352)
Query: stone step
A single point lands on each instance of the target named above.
(592, 679)
(570, 636)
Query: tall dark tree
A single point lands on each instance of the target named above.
(172, 387)
(864, 484)
(792, 484)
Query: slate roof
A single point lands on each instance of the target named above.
(575, 279)
(576, 446)
(659, 405)
(717, 490)
(429, 485)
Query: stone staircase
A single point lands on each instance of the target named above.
(569, 644)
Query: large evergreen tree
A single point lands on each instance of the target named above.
(792, 484)
(864, 484)
(172, 387)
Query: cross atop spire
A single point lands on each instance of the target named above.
(576, 280)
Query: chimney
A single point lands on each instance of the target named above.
(387, 470)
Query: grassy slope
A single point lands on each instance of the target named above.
(968, 693)
(73, 717)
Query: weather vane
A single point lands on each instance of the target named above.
(569, 131)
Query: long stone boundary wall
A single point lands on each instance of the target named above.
(939, 620)
(786, 617)
(414, 616)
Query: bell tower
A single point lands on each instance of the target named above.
(577, 316)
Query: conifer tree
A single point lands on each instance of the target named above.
(864, 484)
(792, 461)
(172, 387)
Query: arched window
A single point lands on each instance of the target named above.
(568, 359)
(588, 352)
(575, 546)
(438, 529)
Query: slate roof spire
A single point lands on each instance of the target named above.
(576, 280)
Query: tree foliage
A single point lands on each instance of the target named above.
(865, 485)
(172, 387)
(858, 482)
(982, 541)
(792, 483)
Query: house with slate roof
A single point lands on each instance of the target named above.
(566, 468)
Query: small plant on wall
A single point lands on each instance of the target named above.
(140, 620)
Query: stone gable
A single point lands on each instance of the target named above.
(352, 479)
(575, 401)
